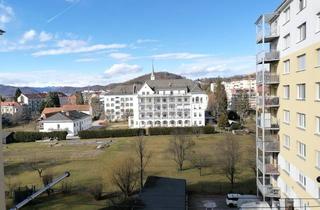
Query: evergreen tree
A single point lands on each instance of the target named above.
(79, 98)
(17, 94)
(221, 101)
(242, 105)
(52, 100)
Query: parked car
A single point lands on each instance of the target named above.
(236, 200)
(258, 205)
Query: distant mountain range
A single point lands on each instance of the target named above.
(6, 90)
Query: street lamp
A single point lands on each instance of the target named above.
(2, 193)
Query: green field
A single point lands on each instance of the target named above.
(88, 165)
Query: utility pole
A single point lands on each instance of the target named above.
(2, 194)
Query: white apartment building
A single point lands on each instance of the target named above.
(233, 87)
(169, 103)
(288, 109)
(119, 102)
(70, 121)
(11, 110)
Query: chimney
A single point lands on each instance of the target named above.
(68, 113)
(134, 88)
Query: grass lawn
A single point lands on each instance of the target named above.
(87, 165)
(117, 125)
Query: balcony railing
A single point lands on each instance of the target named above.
(268, 190)
(270, 144)
(269, 168)
(268, 57)
(269, 78)
(269, 34)
(269, 101)
(269, 124)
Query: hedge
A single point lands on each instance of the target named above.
(25, 136)
(185, 130)
(91, 134)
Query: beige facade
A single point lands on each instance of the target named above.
(288, 109)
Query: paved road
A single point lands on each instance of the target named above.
(207, 202)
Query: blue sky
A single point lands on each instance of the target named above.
(86, 42)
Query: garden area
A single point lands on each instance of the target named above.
(93, 168)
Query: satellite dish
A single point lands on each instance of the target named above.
(318, 179)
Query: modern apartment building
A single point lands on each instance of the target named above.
(233, 87)
(169, 103)
(288, 106)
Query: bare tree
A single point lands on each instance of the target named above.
(229, 153)
(179, 148)
(124, 176)
(143, 157)
(200, 161)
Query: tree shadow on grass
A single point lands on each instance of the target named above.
(221, 188)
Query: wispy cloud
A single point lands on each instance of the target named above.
(6, 14)
(44, 36)
(85, 60)
(120, 56)
(179, 56)
(28, 36)
(141, 41)
(76, 46)
(122, 68)
(218, 66)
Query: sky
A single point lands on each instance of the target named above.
(97, 42)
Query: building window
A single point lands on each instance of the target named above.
(301, 91)
(286, 92)
(302, 32)
(318, 57)
(287, 167)
(318, 125)
(287, 15)
(286, 67)
(286, 116)
(302, 62)
(301, 120)
(302, 4)
(318, 159)
(302, 152)
(302, 179)
(286, 141)
(286, 40)
(318, 22)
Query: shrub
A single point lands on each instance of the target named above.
(185, 130)
(25, 136)
(91, 134)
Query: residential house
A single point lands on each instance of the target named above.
(11, 110)
(49, 111)
(70, 121)
(33, 101)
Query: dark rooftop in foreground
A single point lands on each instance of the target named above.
(66, 116)
(161, 193)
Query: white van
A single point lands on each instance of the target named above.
(235, 200)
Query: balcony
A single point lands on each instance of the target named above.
(268, 57)
(270, 169)
(268, 124)
(268, 34)
(269, 78)
(268, 190)
(269, 101)
(270, 144)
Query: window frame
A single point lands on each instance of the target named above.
(302, 150)
(286, 114)
(302, 33)
(287, 141)
(304, 56)
(286, 92)
(299, 115)
(299, 92)
(287, 41)
(286, 66)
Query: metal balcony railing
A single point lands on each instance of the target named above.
(269, 168)
(269, 101)
(269, 78)
(269, 124)
(268, 190)
(268, 57)
(268, 34)
(270, 144)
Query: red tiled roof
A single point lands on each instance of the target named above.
(9, 103)
(36, 95)
(65, 108)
